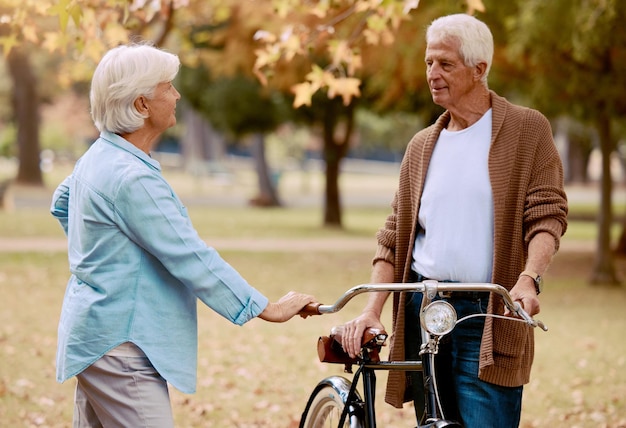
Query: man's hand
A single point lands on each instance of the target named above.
(286, 307)
(352, 338)
(353, 331)
(525, 294)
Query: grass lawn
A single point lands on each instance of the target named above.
(260, 375)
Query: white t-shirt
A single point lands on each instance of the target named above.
(456, 211)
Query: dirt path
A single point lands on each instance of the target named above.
(29, 244)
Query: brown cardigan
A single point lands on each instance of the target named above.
(527, 183)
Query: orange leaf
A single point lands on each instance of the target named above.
(303, 91)
(346, 87)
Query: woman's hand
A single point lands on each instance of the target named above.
(286, 307)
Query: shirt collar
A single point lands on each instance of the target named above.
(124, 144)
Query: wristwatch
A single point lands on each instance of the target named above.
(536, 277)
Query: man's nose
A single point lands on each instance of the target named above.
(433, 71)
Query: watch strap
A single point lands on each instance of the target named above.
(535, 277)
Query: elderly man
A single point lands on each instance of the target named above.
(480, 199)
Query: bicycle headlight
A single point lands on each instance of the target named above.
(438, 318)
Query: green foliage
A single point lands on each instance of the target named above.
(391, 132)
(573, 55)
(241, 105)
(8, 137)
(394, 75)
(237, 105)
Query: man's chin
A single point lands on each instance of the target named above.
(439, 100)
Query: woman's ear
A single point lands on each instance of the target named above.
(141, 105)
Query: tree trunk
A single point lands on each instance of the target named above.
(578, 155)
(202, 147)
(26, 110)
(332, 202)
(335, 149)
(268, 196)
(604, 272)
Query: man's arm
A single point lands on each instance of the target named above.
(541, 250)
(382, 272)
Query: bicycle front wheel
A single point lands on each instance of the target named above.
(323, 410)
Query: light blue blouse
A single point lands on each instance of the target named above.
(137, 266)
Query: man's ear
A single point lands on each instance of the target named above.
(141, 105)
(479, 70)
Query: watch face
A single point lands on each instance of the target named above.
(538, 284)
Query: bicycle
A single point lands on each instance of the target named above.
(335, 401)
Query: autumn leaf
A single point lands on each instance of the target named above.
(61, 9)
(475, 5)
(318, 77)
(321, 9)
(303, 92)
(346, 87)
(410, 5)
(292, 47)
(8, 43)
(340, 51)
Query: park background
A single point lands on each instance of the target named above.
(292, 194)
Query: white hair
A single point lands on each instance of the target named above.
(125, 73)
(474, 37)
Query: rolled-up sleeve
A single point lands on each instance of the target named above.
(153, 217)
(60, 203)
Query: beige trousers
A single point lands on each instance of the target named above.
(122, 391)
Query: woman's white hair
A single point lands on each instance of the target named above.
(474, 37)
(125, 73)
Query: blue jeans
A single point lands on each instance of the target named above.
(465, 398)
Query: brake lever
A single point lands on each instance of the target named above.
(517, 308)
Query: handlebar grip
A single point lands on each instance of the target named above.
(310, 309)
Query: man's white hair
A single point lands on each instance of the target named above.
(474, 37)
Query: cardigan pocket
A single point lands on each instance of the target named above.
(510, 340)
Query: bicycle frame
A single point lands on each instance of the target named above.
(367, 368)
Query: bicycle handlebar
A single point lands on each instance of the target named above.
(430, 286)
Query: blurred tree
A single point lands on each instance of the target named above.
(334, 122)
(331, 53)
(29, 26)
(581, 143)
(24, 97)
(231, 99)
(313, 50)
(581, 69)
(25, 103)
(333, 33)
(239, 107)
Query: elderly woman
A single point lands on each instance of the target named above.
(128, 323)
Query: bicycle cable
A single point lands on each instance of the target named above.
(490, 315)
